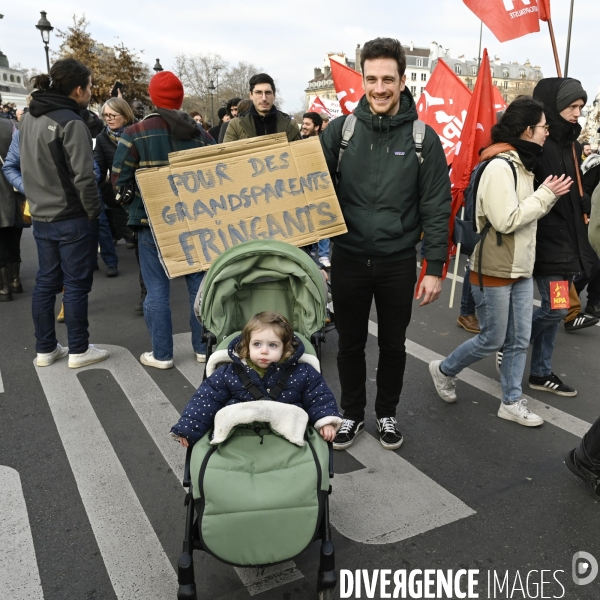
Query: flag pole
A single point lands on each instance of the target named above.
(479, 54)
(456, 260)
(569, 39)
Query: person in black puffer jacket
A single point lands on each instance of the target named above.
(562, 247)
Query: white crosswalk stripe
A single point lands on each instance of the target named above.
(19, 575)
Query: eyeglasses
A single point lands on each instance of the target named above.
(546, 127)
(110, 116)
(259, 93)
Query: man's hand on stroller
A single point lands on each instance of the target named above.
(328, 432)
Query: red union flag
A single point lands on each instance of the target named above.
(499, 102)
(443, 106)
(544, 8)
(318, 107)
(348, 86)
(507, 19)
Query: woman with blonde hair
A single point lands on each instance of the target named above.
(117, 115)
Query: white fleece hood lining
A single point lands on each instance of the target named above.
(287, 420)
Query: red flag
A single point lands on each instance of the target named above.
(507, 19)
(499, 102)
(348, 86)
(481, 117)
(318, 107)
(544, 8)
(443, 106)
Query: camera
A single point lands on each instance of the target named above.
(125, 194)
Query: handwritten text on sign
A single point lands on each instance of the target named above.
(199, 210)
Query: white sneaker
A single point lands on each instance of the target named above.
(45, 359)
(200, 357)
(519, 413)
(89, 357)
(445, 386)
(325, 262)
(148, 359)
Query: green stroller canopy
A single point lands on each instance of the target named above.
(262, 275)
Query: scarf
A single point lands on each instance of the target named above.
(530, 153)
(115, 134)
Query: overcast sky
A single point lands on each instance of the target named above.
(288, 43)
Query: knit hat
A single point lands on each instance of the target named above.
(166, 90)
(569, 91)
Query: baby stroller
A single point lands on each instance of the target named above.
(258, 491)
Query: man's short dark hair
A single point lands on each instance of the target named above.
(384, 48)
(315, 117)
(232, 102)
(262, 78)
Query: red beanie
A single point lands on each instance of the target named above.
(166, 90)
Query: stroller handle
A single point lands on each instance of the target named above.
(187, 479)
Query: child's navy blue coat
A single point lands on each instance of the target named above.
(305, 388)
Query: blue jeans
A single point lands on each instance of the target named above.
(545, 327)
(67, 258)
(321, 248)
(504, 315)
(105, 239)
(157, 311)
(467, 302)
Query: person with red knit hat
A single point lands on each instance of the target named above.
(149, 142)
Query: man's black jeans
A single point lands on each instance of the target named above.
(588, 451)
(354, 285)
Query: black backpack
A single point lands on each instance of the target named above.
(465, 228)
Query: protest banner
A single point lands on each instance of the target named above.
(209, 199)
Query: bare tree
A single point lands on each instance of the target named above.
(235, 84)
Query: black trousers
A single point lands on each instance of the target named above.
(10, 245)
(354, 285)
(588, 451)
(592, 282)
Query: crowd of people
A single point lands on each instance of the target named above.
(532, 206)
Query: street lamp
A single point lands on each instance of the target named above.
(211, 88)
(45, 29)
(157, 67)
(217, 69)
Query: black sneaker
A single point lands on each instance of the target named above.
(581, 321)
(593, 309)
(551, 383)
(591, 478)
(389, 434)
(346, 433)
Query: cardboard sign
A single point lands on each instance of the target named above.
(212, 198)
(559, 295)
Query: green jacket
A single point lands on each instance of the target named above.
(386, 197)
(244, 127)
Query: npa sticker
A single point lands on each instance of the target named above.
(559, 294)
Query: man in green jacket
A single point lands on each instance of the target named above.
(388, 198)
(263, 118)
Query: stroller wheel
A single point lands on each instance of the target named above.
(326, 595)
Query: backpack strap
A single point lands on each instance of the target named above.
(419, 137)
(347, 133)
(487, 225)
(254, 390)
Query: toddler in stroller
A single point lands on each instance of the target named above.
(259, 480)
(266, 354)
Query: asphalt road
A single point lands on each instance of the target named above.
(91, 505)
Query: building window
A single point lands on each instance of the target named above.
(517, 85)
(522, 73)
(18, 80)
(474, 70)
(505, 73)
(505, 96)
(419, 62)
(496, 83)
(413, 89)
(12, 78)
(505, 85)
(422, 89)
(423, 76)
(4, 77)
(458, 69)
(413, 76)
